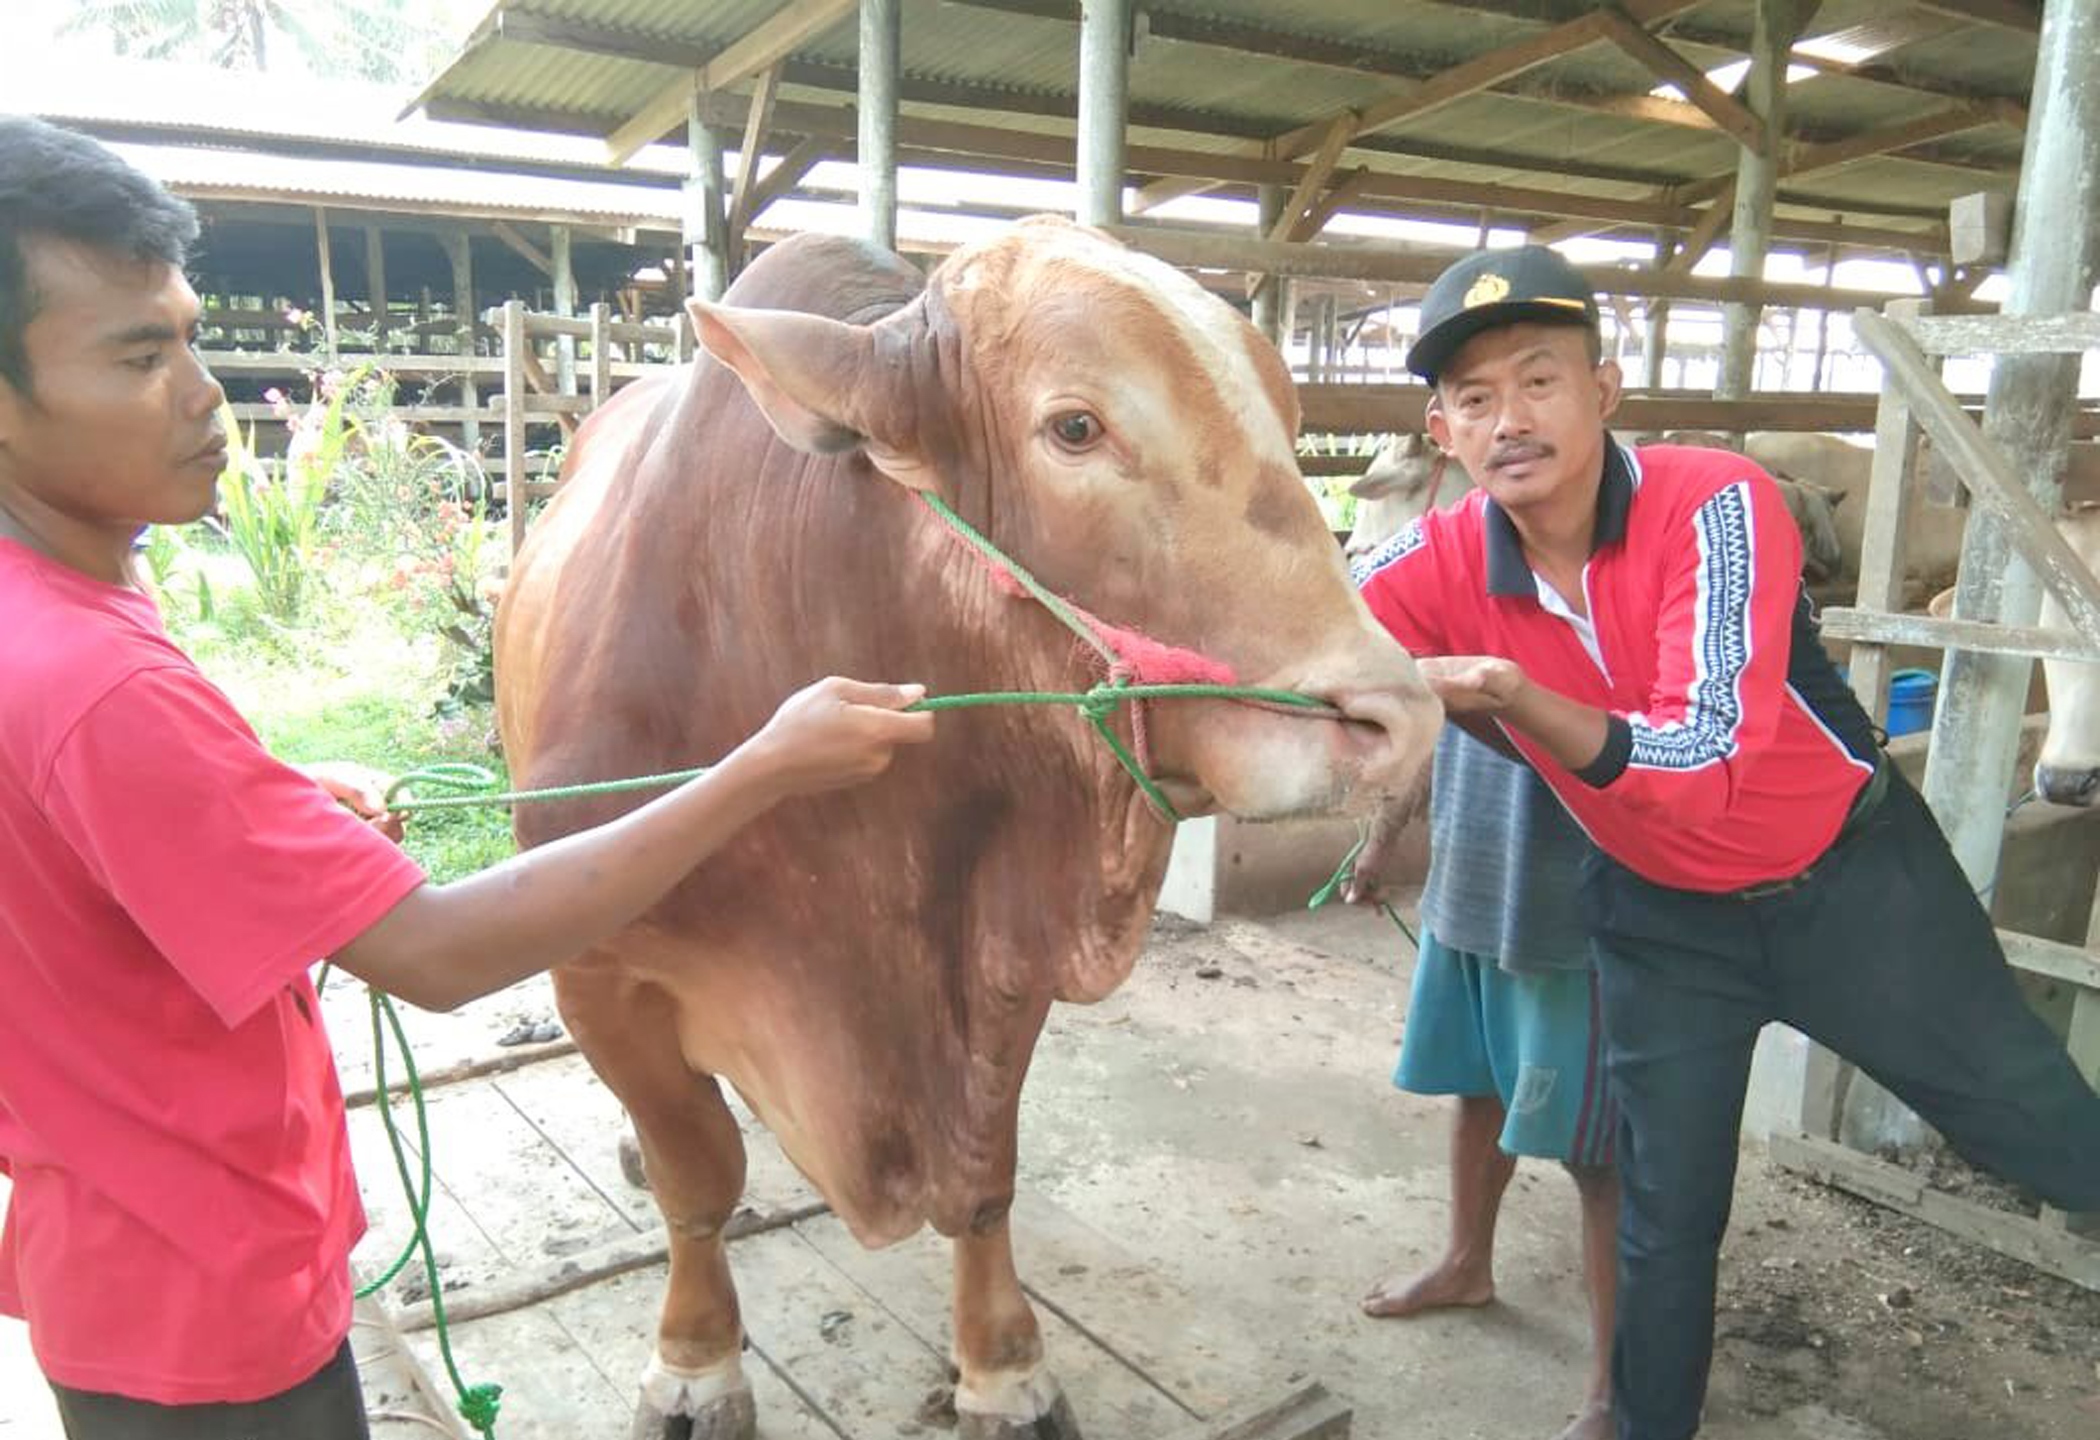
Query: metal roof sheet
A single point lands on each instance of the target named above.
(1013, 64)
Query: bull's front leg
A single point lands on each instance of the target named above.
(1005, 1391)
(693, 1387)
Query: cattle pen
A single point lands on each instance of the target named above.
(1210, 1161)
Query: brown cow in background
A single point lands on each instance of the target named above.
(871, 969)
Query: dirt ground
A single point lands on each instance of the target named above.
(1226, 1116)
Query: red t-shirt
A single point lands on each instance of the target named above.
(1734, 749)
(183, 1205)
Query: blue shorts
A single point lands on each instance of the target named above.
(1535, 1041)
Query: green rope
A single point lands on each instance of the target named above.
(1050, 600)
(1097, 705)
(479, 1404)
(1343, 874)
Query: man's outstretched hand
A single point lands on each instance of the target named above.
(837, 733)
(360, 789)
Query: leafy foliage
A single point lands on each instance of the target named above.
(378, 40)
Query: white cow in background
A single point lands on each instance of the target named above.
(1842, 471)
(2068, 772)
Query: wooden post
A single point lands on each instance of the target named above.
(601, 353)
(514, 342)
(1104, 100)
(1269, 290)
(327, 282)
(2027, 413)
(706, 208)
(1658, 321)
(1816, 380)
(564, 304)
(375, 285)
(461, 252)
(1757, 178)
(881, 42)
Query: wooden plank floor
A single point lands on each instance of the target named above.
(846, 1343)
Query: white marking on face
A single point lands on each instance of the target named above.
(1212, 331)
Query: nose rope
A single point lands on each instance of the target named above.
(1135, 662)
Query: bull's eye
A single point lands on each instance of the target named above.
(1076, 430)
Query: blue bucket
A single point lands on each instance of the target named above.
(1910, 700)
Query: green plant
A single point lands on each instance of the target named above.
(172, 565)
(410, 510)
(272, 521)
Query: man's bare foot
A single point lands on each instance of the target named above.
(1448, 1286)
(1594, 1423)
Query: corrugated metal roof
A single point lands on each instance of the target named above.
(221, 174)
(1013, 64)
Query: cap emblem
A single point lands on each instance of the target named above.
(1486, 291)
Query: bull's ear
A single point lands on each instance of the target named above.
(802, 370)
(816, 380)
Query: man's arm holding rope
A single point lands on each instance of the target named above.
(446, 944)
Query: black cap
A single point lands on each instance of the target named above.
(1497, 287)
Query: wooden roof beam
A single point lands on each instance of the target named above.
(1482, 72)
(1666, 64)
(787, 173)
(1806, 159)
(2008, 14)
(1711, 227)
(1388, 263)
(1802, 159)
(772, 41)
(1314, 177)
(539, 259)
(930, 139)
(757, 120)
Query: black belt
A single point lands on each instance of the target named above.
(1864, 804)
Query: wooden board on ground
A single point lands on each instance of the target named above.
(846, 1343)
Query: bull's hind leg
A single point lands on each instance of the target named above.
(693, 1387)
(1005, 1391)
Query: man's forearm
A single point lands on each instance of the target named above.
(447, 944)
(1571, 732)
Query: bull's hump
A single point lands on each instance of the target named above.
(832, 275)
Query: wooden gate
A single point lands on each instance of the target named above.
(1914, 404)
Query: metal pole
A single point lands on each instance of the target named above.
(1269, 301)
(881, 40)
(1757, 181)
(2027, 413)
(706, 207)
(1104, 99)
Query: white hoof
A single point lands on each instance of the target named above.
(680, 1404)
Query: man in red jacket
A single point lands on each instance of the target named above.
(1632, 623)
(183, 1209)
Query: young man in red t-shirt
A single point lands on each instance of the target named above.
(1633, 623)
(183, 1207)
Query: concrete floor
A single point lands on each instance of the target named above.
(1226, 1116)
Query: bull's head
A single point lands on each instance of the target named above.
(2068, 772)
(1128, 437)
